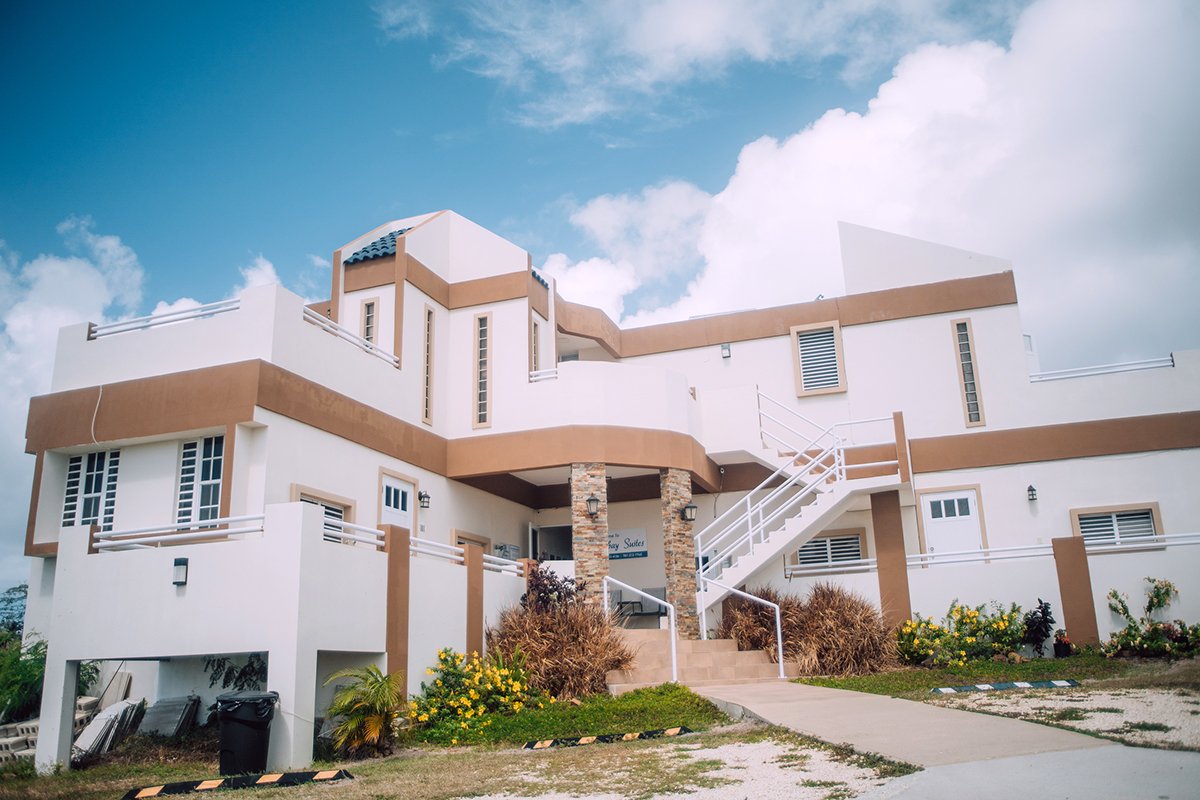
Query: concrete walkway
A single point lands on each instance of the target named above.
(966, 754)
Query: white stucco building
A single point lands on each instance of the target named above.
(355, 481)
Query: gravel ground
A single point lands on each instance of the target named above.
(1166, 718)
(754, 771)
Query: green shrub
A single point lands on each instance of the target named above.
(964, 634)
(22, 670)
(1148, 637)
(368, 709)
(466, 694)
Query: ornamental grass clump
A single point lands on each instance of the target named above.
(1148, 637)
(964, 634)
(832, 631)
(466, 694)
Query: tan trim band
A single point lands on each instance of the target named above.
(1056, 442)
(961, 294)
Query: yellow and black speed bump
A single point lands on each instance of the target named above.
(606, 738)
(238, 782)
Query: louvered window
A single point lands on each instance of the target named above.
(830, 550)
(1117, 527)
(201, 467)
(91, 491)
(967, 373)
(427, 396)
(483, 343)
(818, 359)
(334, 512)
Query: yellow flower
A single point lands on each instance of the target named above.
(454, 741)
(516, 706)
(429, 670)
(423, 718)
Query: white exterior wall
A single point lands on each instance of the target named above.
(874, 260)
(1022, 581)
(350, 315)
(437, 614)
(1127, 573)
(1166, 477)
(459, 250)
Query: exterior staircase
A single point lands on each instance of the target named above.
(701, 663)
(818, 474)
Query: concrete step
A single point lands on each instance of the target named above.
(621, 688)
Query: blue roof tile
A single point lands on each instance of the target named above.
(383, 246)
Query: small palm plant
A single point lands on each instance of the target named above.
(368, 707)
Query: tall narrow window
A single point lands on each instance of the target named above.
(91, 491)
(483, 349)
(427, 378)
(968, 375)
(535, 359)
(369, 323)
(201, 466)
(817, 358)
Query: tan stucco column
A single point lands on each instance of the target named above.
(890, 559)
(1075, 589)
(589, 535)
(679, 550)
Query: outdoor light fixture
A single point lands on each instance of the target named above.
(593, 505)
(179, 578)
(726, 352)
(423, 499)
(688, 512)
(1031, 492)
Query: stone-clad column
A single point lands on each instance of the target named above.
(589, 534)
(679, 550)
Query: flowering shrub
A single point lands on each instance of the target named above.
(965, 634)
(1148, 637)
(465, 694)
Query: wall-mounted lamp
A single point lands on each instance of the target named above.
(593, 505)
(179, 577)
(726, 351)
(688, 512)
(1031, 493)
(423, 499)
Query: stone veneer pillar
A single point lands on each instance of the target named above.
(589, 535)
(679, 550)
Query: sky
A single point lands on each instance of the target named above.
(660, 158)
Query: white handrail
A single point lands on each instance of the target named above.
(328, 325)
(831, 568)
(351, 532)
(670, 616)
(428, 547)
(179, 532)
(748, 596)
(152, 320)
(1102, 369)
(504, 565)
(543, 375)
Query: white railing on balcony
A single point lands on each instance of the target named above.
(329, 326)
(169, 318)
(625, 587)
(983, 554)
(538, 375)
(504, 566)
(831, 568)
(754, 599)
(221, 529)
(349, 533)
(1102, 369)
(428, 547)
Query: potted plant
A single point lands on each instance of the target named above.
(1062, 645)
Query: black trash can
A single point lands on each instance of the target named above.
(245, 719)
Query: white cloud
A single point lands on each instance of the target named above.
(597, 282)
(1069, 153)
(259, 272)
(573, 62)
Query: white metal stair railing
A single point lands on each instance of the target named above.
(755, 599)
(670, 616)
(328, 325)
(154, 320)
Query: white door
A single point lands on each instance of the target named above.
(951, 521)
(397, 506)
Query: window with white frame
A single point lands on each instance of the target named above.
(535, 361)
(830, 550)
(201, 467)
(90, 497)
(334, 513)
(968, 373)
(1117, 526)
(949, 507)
(483, 344)
(369, 320)
(817, 356)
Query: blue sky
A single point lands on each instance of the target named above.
(660, 158)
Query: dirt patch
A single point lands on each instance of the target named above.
(1167, 718)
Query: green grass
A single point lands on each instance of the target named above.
(918, 681)
(665, 706)
(1148, 726)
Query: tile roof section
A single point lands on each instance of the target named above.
(540, 279)
(383, 246)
